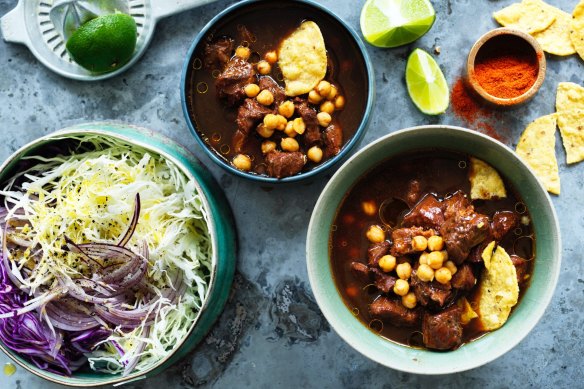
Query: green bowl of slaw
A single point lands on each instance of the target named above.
(220, 227)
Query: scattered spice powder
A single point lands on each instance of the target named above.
(472, 112)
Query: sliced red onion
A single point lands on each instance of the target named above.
(69, 321)
(133, 361)
(132, 227)
(92, 263)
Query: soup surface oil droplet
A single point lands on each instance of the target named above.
(9, 369)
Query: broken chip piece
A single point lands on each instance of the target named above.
(537, 148)
(577, 29)
(485, 181)
(528, 16)
(499, 289)
(302, 59)
(556, 38)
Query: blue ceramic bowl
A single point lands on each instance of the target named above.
(480, 351)
(221, 228)
(249, 6)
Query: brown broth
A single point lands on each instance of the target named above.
(270, 22)
(439, 172)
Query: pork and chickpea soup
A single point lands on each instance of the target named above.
(277, 92)
(432, 249)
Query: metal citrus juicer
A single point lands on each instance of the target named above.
(45, 25)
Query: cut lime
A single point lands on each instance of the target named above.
(392, 23)
(426, 83)
(105, 43)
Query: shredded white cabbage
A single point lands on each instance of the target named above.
(89, 197)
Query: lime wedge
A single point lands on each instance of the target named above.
(392, 23)
(426, 83)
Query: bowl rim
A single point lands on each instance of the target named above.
(346, 149)
(324, 297)
(63, 134)
(506, 101)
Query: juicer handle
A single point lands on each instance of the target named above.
(164, 8)
(13, 26)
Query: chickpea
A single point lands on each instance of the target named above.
(243, 52)
(444, 255)
(268, 146)
(401, 287)
(424, 258)
(333, 93)
(404, 270)
(281, 123)
(265, 97)
(409, 300)
(251, 90)
(271, 57)
(286, 109)
(443, 275)
(435, 243)
(327, 107)
(264, 67)
(324, 119)
(419, 243)
(271, 121)
(435, 260)
(451, 266)
(314, 154)
(299, 126)
(289, 130)
(323, 88)
(339, 103)
(425, 273)
(264, 131)
(314, 97)
(387, 263)
(242, 162)
(369, 207)
(289, 144)
(375, 234)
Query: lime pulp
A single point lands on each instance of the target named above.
(392, 23)
(426, 84)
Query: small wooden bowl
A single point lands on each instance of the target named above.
(505, 38)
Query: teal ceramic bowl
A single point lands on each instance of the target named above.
(261, 9)
(492, 345)
(221, 228)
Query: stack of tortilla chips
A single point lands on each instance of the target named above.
(557, 32)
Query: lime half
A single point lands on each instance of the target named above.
(392, 23)
(105, 43)
(426, 83)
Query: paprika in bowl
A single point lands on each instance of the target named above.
(506, 67)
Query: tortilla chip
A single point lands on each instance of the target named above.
(537, 148)
(485, 181)
(528, 16)
(302, 59)
(571, 125)
(577, 29)
(467, 312)
(569, 97)
(499, 289)
(556, 39)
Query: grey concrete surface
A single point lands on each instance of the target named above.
(272, 334)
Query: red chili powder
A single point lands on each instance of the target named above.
(474, 114)
(506, 75)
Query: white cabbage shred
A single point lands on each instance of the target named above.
(89, 197)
